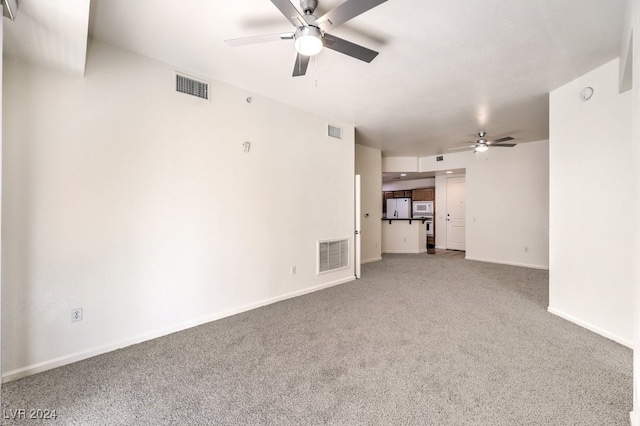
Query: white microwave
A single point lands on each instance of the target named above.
(422, 208)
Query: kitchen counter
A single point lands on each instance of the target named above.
(410, 219)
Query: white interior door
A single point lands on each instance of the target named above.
(356, 253)
(456, 213)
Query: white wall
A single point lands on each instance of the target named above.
(634, 16)
(369, 167)
(409, 184)
(137, 204)
(591, 205)
(507, 203)
(400, 164)
(508, 206)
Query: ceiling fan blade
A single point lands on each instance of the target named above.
(348, 48)
(344, 12)
(290, 12)
(300, 68)
(462, 147)
(507, 138)
(503, 145)
(234, 42)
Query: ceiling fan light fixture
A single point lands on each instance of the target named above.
(308, 41)
(481, 147)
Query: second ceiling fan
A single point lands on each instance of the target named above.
(311, 34)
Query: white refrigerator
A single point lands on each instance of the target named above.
(399, 208)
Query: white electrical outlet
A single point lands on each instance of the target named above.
(293, 270)
(76, 314)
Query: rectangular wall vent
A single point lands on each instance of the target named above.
(334, 132)
(192, 87)
(333, 255)
(439, 158)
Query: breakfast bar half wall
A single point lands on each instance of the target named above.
(404, 236)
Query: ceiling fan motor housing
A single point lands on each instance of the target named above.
(308, 6)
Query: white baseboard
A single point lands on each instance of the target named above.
(79, 356)
(632, 418)
(502, 262)
(373, 259)
(591, 327)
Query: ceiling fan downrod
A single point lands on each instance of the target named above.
(308, 6)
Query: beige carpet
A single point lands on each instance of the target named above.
(419, 340)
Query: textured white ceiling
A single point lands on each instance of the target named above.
(446, 69)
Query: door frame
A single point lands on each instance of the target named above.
(448, 221)
(357, 252)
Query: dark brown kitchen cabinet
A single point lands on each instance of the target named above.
(423, 194)
(429, 194)
(401, 194)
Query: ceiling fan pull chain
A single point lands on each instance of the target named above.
(316, 63)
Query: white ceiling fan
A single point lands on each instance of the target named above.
(482, 144)
(311, 34)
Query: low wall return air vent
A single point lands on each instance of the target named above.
(192, 87)
(333, 255)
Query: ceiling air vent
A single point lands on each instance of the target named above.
(439, 158)
(192, 87)
(332, 255)
(334, 132)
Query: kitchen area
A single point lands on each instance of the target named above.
(408, 220)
